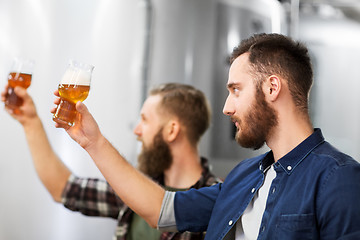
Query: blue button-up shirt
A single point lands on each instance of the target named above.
(315, 195)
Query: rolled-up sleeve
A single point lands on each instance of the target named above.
(167, 222)
(188, 210)
(91, 197)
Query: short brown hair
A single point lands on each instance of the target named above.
(188, 104)
(280, 55)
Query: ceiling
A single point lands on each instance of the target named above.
(351, 8)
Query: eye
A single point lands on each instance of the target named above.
(236, 90)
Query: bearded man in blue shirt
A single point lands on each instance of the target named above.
(303, 188)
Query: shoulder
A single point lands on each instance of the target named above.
(335, 168)
(328, 157)
(336, 177)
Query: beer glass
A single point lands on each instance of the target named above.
(73, 87)
(20, 75)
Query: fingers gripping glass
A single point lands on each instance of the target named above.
(20, 75)
(74, 87)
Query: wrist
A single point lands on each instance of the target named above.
(31, 123)
(96, 146)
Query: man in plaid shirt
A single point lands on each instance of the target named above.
(173, 119)
(94, 197)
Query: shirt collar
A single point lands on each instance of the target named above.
(292, 159)
(267, 161)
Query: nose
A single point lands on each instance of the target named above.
(137, 130)
(228, 107)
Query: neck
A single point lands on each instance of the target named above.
(186, 168)
(289, 133)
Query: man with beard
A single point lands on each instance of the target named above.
(173, 119)
(303, 188)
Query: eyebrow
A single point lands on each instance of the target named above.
(232, 85)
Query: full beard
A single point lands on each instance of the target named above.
(155, 159)
(257, 125)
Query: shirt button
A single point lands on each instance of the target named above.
(253, 190)
(230, 222)
(273, 191)
(289, 168)
(263, 229)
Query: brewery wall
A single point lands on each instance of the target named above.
(106, 34)
(133, 45)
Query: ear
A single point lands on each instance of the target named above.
(171, 130)
(272, 87)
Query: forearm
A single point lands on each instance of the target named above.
(50, 169)
(139, 192)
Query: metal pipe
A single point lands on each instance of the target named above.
(146, 54)
(294, 19)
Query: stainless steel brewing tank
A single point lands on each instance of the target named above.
(190, 43)
(236, 20)
(333, 41)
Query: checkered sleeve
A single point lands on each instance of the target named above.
(91, 197)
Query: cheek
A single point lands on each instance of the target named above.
(148, 134)
(242, 108)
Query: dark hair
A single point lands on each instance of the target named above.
(188, 104)
(275, 54)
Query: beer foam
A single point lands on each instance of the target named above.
(76, 76)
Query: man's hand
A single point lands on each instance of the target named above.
(85, 131)
(27, 111)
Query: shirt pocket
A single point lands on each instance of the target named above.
(296, 226)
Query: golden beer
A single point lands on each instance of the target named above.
(73, 93)
(70, 94)
(73, 87)
(16, 79)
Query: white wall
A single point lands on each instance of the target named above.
(105, 33)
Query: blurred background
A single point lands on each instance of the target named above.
(135, 44)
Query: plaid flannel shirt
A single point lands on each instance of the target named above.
(95, 197)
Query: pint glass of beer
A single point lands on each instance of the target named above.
(20, 75)
(73, 87)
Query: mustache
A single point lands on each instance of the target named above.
(235, 119)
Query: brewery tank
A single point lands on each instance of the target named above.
(193, 48)
(333, 41)
(236, 20)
